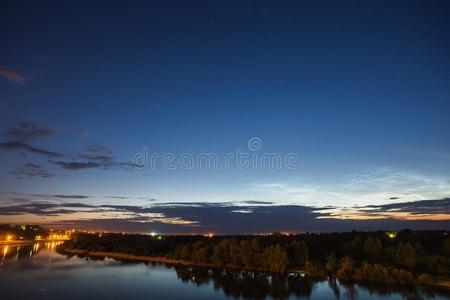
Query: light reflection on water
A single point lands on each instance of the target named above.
(39, 272)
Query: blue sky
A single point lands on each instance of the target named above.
(358, 92)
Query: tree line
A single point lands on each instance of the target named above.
(408, 257)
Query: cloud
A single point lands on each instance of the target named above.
(40, 209)
(38, 197)
(225, 217)
(75, 165)
(81, 211)
(258, 202)
(438, 210)
(93, 161)
(104, 161)
(11, 75)
(374, 186)
(415, 207)
(97, 148)
(20, 136)
(19, 145)
(95, 156)
(28, 131)
(71, 196)
(31, 170)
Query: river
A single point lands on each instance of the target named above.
(39, 272)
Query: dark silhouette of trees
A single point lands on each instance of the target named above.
(372, 247)
(362, 256)
(354, 248)
(332, 263)
(298, 253)
(405, 255)
(274, 259)
(345, 270)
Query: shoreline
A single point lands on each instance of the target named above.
(27, 242)
(439, 282)
(124, 256)
(157, 259)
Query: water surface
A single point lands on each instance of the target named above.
(39, 272)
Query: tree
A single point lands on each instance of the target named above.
(249, 252)
(345, 270)
(298, 253)
(218, 256)
(446, 248)
(354, 248)
(315, 269)
(372, 248)
(185, 253)
(235, 252)
(405, 255)
(199, 253)
(275, 259)
(331, 264)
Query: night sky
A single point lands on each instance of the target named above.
(355, 93)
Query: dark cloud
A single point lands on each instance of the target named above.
(414, 207)
(22, 146)
(11, 75)
(71, 196)
(258, 202)
(102, 161)
(76, 165)
(394, 198)
(20, 200)
(192, 204)
(97, 148)
(221, 218)
(31, 170)
(33, 196)
(88, 161)
(20, 136)
(28, 131)
(39, 209)
(96, 156)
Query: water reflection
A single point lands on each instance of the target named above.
(255, 285)
(37, 271)
(26, 251)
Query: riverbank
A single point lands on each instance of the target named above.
(440, 282)
(123, 256)
(16, 243)
(26, 242)
(155, 259)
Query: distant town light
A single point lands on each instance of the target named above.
(391, 235)
(152, 233)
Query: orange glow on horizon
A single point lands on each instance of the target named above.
(357, 214)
